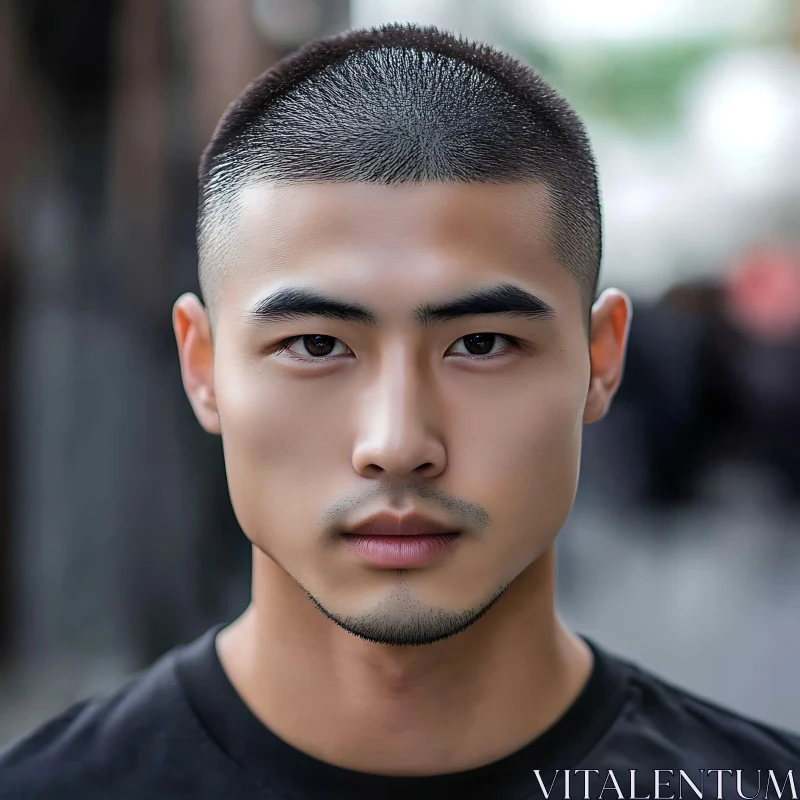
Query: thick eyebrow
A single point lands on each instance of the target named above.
(291, 303)
(505, 298)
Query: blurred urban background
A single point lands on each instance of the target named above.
(117, 539)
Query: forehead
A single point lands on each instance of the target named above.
(404, 214)
(355, 233)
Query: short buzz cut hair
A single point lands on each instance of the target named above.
(403, 104)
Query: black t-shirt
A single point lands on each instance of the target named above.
(180, 730)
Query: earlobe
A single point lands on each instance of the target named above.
(611, 318)
(195, 349)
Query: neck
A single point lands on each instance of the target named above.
(446, 707)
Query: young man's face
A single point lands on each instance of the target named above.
(356, 418)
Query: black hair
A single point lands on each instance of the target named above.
(405, 104)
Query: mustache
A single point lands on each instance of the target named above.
(463, 513)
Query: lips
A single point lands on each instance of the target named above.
(411, 524)
(407, 541)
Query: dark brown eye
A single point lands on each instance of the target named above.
(479, 344)
(319, 345)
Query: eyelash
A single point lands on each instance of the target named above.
(512, 341)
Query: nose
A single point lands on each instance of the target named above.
(395, 438)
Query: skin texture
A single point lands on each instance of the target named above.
(400, 417)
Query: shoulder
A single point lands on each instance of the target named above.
(107, 745)
(663, 721)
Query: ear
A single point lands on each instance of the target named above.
(611, 322)
(195, 349)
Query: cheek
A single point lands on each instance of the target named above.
(278, 439)
(523, 461)
(548, 446)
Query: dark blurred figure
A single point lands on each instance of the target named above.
(759, 345)
(99, 256)
(713, 375)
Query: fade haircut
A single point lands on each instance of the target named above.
(403, 104)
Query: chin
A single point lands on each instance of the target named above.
(407, 615)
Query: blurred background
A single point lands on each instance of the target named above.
(117, 539)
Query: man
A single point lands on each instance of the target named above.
(399, 242)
